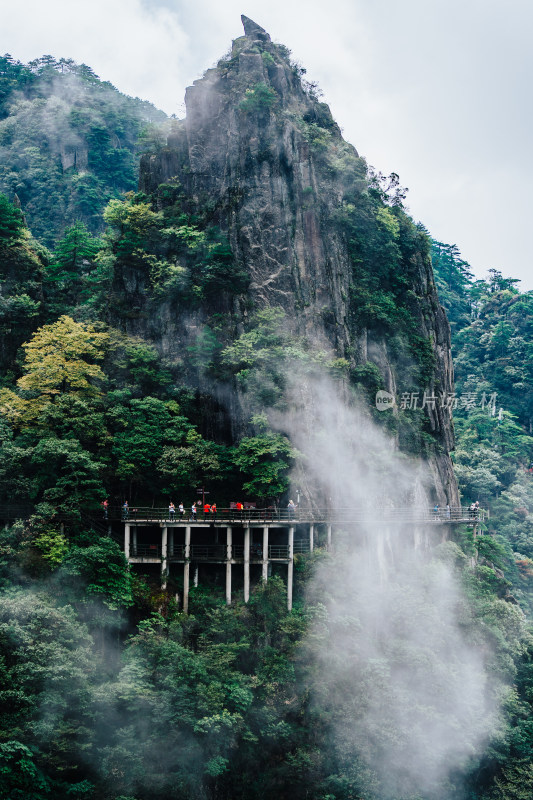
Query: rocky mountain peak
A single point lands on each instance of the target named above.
(253, 30)
(304, 222)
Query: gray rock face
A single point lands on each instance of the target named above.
(267, 155)
(253, 30)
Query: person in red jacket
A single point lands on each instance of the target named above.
(207, 509)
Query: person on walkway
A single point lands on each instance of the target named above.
(291, 509)
(181, 509)
(207, 509)
(476, 509)
(125, 510)
(193, 512)
(239, 507)
(436, 510)
(448, 511)
(214, 511)
(105, 506)
(171, 511)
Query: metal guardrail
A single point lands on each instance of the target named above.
(217, 552)
(146, 551)
(207, 552)
(278, 551)
(302, 515)
(144, 514)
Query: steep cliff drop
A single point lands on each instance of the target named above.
(315, 232)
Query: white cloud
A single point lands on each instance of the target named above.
(138, 48)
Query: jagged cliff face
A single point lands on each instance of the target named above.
(258, 166)
(292, 196)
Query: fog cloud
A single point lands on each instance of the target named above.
(407, 695)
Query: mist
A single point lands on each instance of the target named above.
(408, 697)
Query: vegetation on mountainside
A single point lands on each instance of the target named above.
(227, 689)
(492, 325)
(88, 411)
(68, 142)
(107, 691)
(229, 702)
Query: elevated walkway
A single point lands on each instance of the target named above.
(272, 516)
(266, 538)
(258, 541)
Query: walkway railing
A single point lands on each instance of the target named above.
(228, 516)
(146, 551)
(217, 552)
(303, 515)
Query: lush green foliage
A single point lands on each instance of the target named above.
(68, 142)
(232, 702)
(266, 459)
(492, 332)
(258, 98)
(107, 692)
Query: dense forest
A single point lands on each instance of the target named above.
(69, 142)
(108, 690)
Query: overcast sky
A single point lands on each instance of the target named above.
(437, 91)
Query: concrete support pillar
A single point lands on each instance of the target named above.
(246, 564)
(164, 557)
(195, 579)
(311, 538)
(229, 555)
(264, 570)
(329, 537)
(134, 539)
(127, 541)
(290, 568)
(186, 569)
(171, 541)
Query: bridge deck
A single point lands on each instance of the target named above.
(264, 537)
(282, 517)
(143, 515)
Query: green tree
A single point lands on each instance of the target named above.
(11, 222)
(197, 462)
(59, 358)
(265, 461)
(46, 669)
(133, 224)
(74, 249)
(67, 171)
(258, 98)
(69, 275)
(65, 474)
(20, 778)
(142, 431)
(103, 570)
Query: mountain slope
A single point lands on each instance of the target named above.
(260, 163)
(69, 142)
